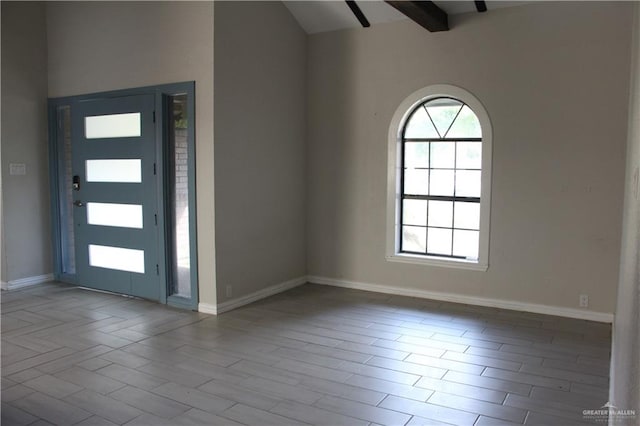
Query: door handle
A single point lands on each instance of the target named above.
(78, 203)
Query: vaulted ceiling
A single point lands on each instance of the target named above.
(322, 16)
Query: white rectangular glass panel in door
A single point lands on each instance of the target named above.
(111, 214)
(119, 258)
(122, 171)
(112, 126)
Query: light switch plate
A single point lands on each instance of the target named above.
(17, 169)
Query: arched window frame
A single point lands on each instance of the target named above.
(394, 195)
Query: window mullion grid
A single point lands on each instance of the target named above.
(442, 140)
(454, 120)
(432, 123)
(428, 198)
(446, 227)
(442, 198)
(455, 164)
(402, 173)
(444, 256)
(426, 230)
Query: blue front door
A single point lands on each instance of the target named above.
(116, 195)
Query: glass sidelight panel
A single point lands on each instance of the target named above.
(110, 214)
(123, 171)
(119, 258)
(179, 209)
(112, 126)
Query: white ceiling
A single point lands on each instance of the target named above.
(329, 15)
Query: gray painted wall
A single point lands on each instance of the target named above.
(25, 199)
(625, 365)
(260, 53)
(554, 80)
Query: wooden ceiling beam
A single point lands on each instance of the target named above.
(425, 13)
(358, 13)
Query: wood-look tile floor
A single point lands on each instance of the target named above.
(312, 355)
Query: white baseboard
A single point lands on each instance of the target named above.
(469, 300)
(26, 282)
(250, 298)
(207, 308)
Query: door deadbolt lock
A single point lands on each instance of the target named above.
(78, 203)
(76, 183)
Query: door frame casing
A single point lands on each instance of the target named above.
(162, 94)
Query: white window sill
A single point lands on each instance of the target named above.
(437, 261)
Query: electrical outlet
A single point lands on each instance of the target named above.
(584, 300)
(229, 291)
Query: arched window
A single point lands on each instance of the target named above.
(440, 158)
